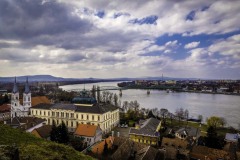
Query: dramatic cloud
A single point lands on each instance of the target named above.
(120, 38)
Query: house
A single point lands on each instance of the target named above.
(174, 147)
(27, 124)
(90, 133)
(43, 132)
(124, 148)
(233, 138)
(205, 153)
(97, 148)
(188, 132)
(5, 112)
(146, 132)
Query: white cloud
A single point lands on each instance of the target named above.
(191, 45)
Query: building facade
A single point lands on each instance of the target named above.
(18, 110)
(106, 116)
(90, 133)
(146, 132)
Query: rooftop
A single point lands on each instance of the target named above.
(25, 123)
(86, 130)
(201, 152)
(97, 108)
(149, 127)
(44, 131)
(5, 108)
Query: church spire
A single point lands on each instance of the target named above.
(27, 90)
(15, 88)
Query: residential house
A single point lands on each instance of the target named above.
(43, 132)
(90, 133)
(232, 137)
(188, 132)
(124, 148)
(5, 112)
(146, 132)
(27, 124)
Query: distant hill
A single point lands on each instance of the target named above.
(31, 147)
(42, 78)
(50, 78)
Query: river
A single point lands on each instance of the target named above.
(207, 105)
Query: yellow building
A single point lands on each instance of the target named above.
(106, 116)
(147, 132)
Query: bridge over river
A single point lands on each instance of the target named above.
(102, 88)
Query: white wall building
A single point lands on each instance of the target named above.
(18, 110)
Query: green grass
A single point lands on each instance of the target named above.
(220, 131)
(31, 147)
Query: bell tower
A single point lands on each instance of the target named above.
(27, 96)
(15, 100)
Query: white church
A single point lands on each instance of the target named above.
(18, 110)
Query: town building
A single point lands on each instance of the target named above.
(147, 132)
(43, 132)
(90, 133)
(188, 132)
(5, 112)
(106, 116)
(27, 124)
(17, 109)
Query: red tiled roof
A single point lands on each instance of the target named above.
(86, 130)
(98, 148)
(40, 99)
(5, 108)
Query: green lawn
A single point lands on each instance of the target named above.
(220, 131)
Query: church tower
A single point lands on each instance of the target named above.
(27, 96)
(15, 105)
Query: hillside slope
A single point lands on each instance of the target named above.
(31, 147)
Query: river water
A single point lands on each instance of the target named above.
(207, 105)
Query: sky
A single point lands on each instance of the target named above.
(120, 38)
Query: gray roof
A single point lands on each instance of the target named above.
(189, 131)
(15, 88)
(64, 106)
(25, 123)
(27, 89)
(148, 127)
(97, 108)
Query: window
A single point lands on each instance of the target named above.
(93, 117)
(82, 116)
(87, 117)
(53, 113)
(40, 112)
(72, 115)
(98, 118)
(67, 115)
(77, 116)
(44, 113)
(71, 124)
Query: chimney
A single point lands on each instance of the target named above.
(112, 133)
(118, 134)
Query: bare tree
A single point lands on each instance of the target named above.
(179, 114)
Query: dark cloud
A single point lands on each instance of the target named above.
(24, 20)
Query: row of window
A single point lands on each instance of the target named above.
(66, 115)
